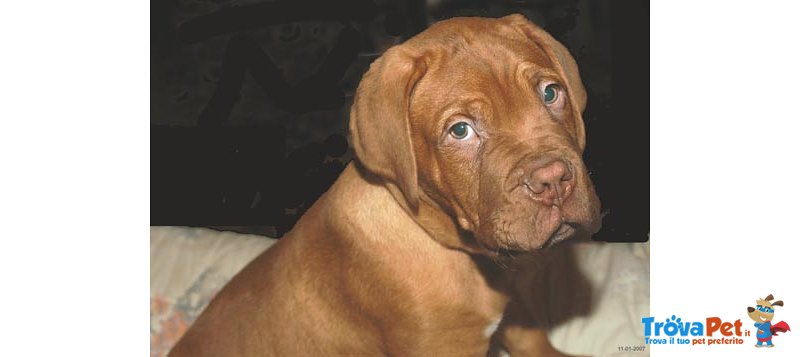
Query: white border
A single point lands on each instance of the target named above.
(74, 152)
(723, 149)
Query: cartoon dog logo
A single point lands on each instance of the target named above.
(763, 314)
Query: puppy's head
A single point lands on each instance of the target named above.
(482, 119)
(764, 310)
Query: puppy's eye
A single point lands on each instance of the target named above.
(550, 93)
(461, 131)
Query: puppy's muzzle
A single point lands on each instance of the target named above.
(546, 180)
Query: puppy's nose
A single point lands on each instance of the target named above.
(750, 309)
(551, 182)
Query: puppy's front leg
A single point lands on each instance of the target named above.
(519, 337)
(545, 290)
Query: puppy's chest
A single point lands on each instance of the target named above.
(460, 325)
(446, 332)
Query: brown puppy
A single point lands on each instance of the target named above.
(468, 140)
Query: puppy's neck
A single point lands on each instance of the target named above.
(429, 215)
(442, 226)
(426, 233)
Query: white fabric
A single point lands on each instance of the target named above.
(179, 256)
(620, 278)
(189, 265)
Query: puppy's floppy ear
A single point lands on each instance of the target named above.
(769, 297)
(778, 303)
(566, 67)
(379, 120)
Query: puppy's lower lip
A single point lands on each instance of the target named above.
(563, 233)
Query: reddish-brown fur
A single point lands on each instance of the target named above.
(397, 257)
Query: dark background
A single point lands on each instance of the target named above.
(250, 100)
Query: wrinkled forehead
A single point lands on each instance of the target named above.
(495, 56)
(491, 69)
(476, 46)
(472, 35)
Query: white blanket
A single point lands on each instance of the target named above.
(188, 266)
